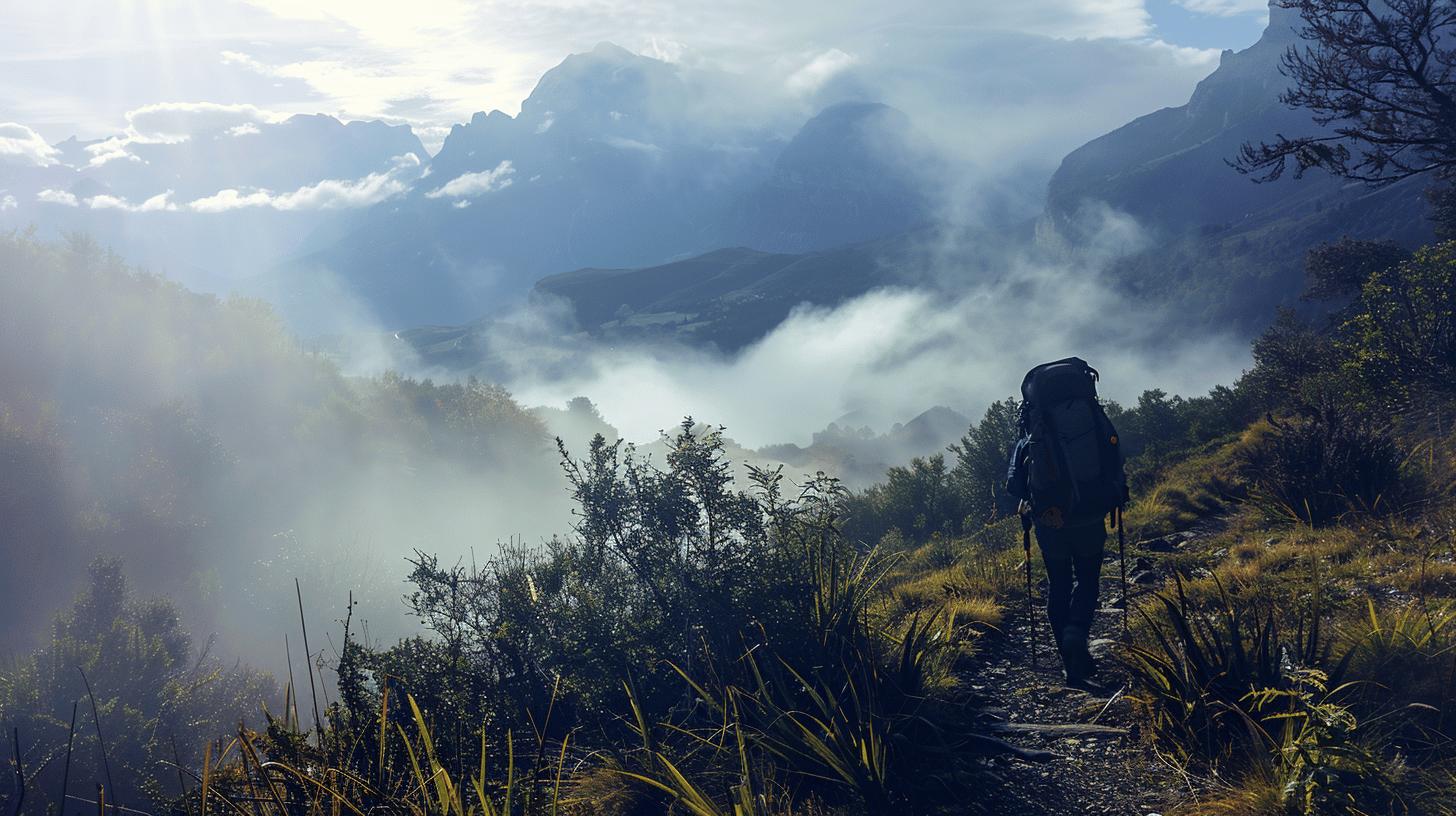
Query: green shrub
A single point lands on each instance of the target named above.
(1403, 332)
(1326, 764)
(1194, 669)
(155, 699)
(1317, 470)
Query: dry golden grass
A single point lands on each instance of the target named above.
(970, 600)
(1201, 485)
(1254, 796)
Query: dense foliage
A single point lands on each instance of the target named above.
(120, 695)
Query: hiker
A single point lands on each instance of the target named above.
(1067, 471)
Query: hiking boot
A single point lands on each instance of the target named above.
(1075, 657)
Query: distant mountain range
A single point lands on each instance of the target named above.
(1216, 249)
(620, 191)
(615, 160)
(611, 164)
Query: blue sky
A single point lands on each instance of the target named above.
(1218, 24)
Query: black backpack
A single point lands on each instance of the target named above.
(1068, 463)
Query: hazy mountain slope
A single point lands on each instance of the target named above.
(1221, 246)
(727, 298)
(860, 457)
(724, 299)
(850, 175)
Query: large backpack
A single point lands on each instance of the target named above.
(1068, 463)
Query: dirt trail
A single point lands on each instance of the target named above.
(1101, 765)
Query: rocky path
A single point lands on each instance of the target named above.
(1101, 765)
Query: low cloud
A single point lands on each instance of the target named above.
(329, 194)
(632, 145)
(162, 202)
(21, 145)
(110, 150)
(886, 356)
(469, 185)
(169, 122)
(57, 197)
(431, 136)
(175, 122)
(819, 70)
(8, 202)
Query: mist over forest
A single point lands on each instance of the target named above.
(479, 409)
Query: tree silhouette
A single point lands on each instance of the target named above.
(1378, 76)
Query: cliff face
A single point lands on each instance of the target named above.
(1169, 168)
(1223, 247)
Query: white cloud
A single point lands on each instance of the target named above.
(21, 145)
(470, 55)
(665, 50)
(547, 121)
(329, 194)
(162, 202)
(230, 199)
(8, 202)
(170, 122)
(468, 185)
(431, 136)
(819, 70)
(240, 59)
(49, 196)
(632, 144)
(461, 204)
(174, 122)
(1187, 56)
(110, 150)
(401, 25)
(890, 354)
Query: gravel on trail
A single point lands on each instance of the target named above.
(1102, 766)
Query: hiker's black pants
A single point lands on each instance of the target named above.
(1073, 557)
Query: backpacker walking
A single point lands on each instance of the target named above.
(1067, 470)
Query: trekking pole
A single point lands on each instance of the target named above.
(1030, 606)
(1122, 558)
